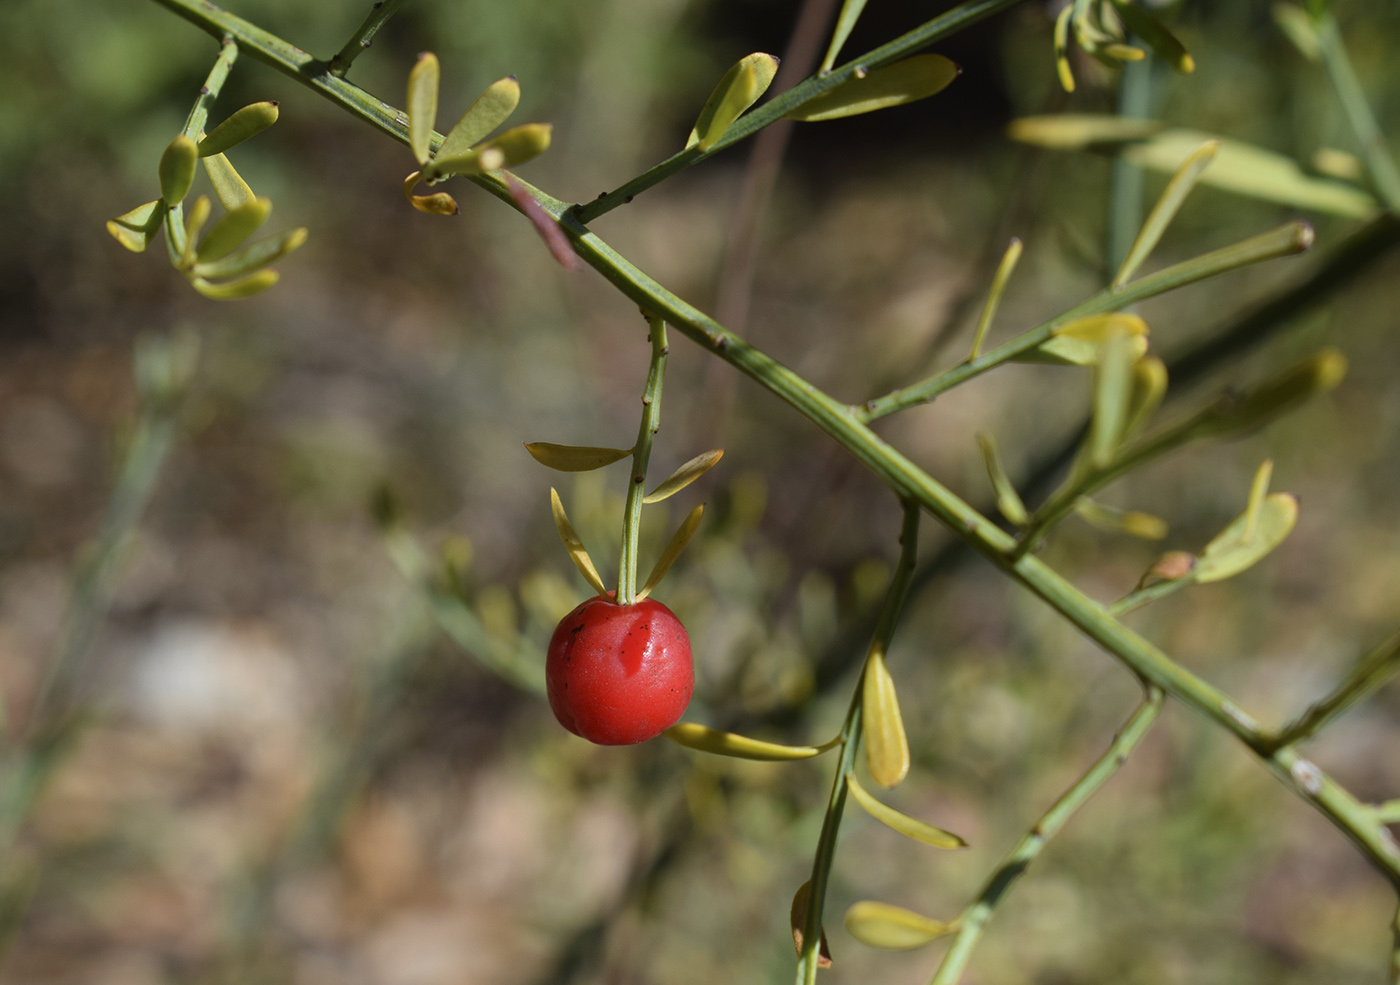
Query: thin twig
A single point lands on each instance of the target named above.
(379, 14)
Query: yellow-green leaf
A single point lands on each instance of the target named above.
(1062, 67)
(423, 80)
(1149, 386)
(1080, 342)
(905, 81)
(233, 290)
(136, 229)
(1238, 167)
(694, 736)
(908, 826)
(254, 256)
(1232, 552)
(512, 148)
(1082, 131)
(1235, 414)
(492, 108)
(195, 219)
(886, 746)
(228, 184)
(1113, 391)
(438, 203)
(1151, 30)
(1166, 208)
(845, 23)
(1143, 525)
(673, 550)
(893, 927)
(177, 169)
(746, 80)
(684, 475)
(574, 458)
(1295, 23)
(798, 916)
(233, 230)
(573, 545)
(247, 122)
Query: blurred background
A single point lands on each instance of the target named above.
(287, 773)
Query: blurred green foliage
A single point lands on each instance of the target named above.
(263, 648)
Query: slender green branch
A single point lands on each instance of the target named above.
(1295, 237)
(641, 456)
(1380, 164)
(163, 369)
(848, 428)
(1389, 812)
(959, 18)
(199, 113)
(379, 15)
(975, 917)
(1371, 671)
(893, 607)
(1143, 596)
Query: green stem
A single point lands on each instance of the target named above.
(379, 14)
(641, 456)
(895, 598)
(959, 18)
(848, 427)
(1145, 595)
(1374, 150)
(199, 113)
(1389, 812)
(975, 917)
(1295, 237)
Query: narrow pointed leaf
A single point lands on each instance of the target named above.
(233, 230)
(1082, 131)
(801, 900)
(136, 229)
(1143, 525)
(438, 203)
(1241, 168)
(1008, 500)
(511, 149)
(1151, 30)
(1298, 27)
(886, 746)
(1257, 491)
(694, 736)
(989, 310)
(255, 255)
(176, 169)
(1230, 553)
(195, 219)
(1113, 390)
(247, 122)
(423, 81)
(684, 475)
(574, 458)
(673, 550)
(1338, 164)
(1062, 66)
(737, 90)
(845, 23)
(492, 108)
(1234, 414)
(903, 82)
(234, 290)
(228, 184)
(573, 545)
(893, 927)
(1166, 208)
(1149, 387)
(910, 827)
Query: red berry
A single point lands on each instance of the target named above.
(619, 674)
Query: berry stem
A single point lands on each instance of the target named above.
(641, 455)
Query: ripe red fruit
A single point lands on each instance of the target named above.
(619, 674)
